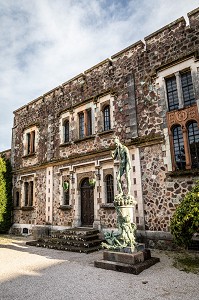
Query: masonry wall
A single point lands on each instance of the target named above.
(139, 114)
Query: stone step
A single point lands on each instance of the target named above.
(126, 268)
(67, 236)
(64, 247)
(76, 243)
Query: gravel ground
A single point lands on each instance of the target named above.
(29, 273)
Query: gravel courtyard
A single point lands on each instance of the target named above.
(37, 273)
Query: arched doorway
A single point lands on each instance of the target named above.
(87, 203)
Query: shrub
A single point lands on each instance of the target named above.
(185, 221)
(5, 195)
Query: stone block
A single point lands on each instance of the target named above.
(127, 258)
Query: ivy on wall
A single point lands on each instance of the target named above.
(5, 195)
(185, 221)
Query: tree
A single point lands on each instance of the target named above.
(5, 194)
(185, 221)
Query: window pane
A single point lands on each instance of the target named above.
(31, 193)
(89, 122)
(109, 189)
(193, 135)
(26, 193)
(179, 151)
(187, 88)
(66, 131)
(28, 143)
(81, 125)
(107, 123)
(172, 93)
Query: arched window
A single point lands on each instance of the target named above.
(179, 152)
(107, 120)
(109, 189)
(193, 137)
(66, 131)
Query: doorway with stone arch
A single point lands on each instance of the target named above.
(87, 203)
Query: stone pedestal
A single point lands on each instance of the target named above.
(133, 263)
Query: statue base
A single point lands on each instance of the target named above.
(133, 263)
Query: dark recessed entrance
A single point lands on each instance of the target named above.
(87, 203)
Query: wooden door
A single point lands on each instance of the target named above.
(87, 203)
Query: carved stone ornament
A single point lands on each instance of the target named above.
(182, 116)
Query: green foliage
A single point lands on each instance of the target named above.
(185, 221)
(5, 195)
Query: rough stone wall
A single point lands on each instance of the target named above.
(161, 192)
(107, 218)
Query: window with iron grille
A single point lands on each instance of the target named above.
(187, 88)
(107, 120)
(184, 90)
(193, 137)
(109, 189)
(178, 145)
(172, 93)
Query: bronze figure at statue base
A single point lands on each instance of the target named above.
(123, 254)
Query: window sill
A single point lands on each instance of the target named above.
(29, 155)
(65, 144)
(17, 208)
(27, 208)
(85, 138)
(183, 173)
(107, 205)
(106, 132)
(65, 207)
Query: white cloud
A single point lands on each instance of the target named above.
(45, 43)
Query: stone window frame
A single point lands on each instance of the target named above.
(106, 101)
(182, 118)
(85, 127)
(109, 199)
(184, 114)
(28, 189)
(62, 203)
(177, 77)
(30, 137)
(65, 117)
(17, 198)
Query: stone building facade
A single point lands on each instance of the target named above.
(148, 96)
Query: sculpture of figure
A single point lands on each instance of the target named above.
(122, 153)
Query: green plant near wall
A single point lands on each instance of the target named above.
(5, 195)
(185, 221)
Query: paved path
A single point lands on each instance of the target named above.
(28, 273)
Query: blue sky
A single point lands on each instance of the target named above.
(43, 43)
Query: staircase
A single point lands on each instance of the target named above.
(81, 239)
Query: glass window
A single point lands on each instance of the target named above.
(66, 131)
(26, 188)
(172, 93)
(89, 122)
(30, 142)
(193, 136)
(179, 151)
(81, 125)
(107, 121)
(109, 189)
(187, 88)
